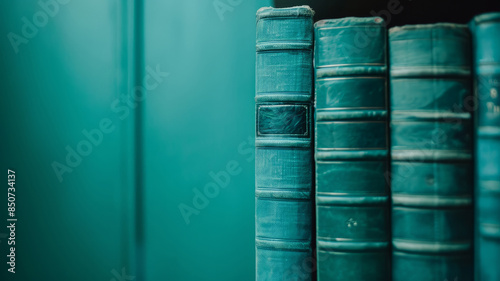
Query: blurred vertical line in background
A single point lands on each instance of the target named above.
(130, 73)
(138, 73)
(125, 83)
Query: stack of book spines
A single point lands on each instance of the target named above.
(431, 139)
(486, 39)
(284, 155)
(352, 195)
(431, 144)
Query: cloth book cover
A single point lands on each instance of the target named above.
(284, 166)
(486, 41)
(352, 194)
(431, 143)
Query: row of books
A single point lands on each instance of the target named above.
(394, 171)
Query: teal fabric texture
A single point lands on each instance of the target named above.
(351, 150)
(431, 150)
(486, 41)
(284, 153)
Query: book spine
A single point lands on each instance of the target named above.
(431, 149)
(486, 41)
(284, 153)
(351, 149)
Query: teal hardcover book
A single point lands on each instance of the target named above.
(284, 218)
(431, 150)
(352, 194)
(486, 41)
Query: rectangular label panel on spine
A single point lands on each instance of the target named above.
(486, 41)
(351, 148)
(284, 218)
(431, 149)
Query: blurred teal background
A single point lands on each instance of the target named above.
(101, 176)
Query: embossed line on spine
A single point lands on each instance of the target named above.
(490, 189)
(435, 72)
(356, 155)
(490, 230)
(431, 201)
(268, 193)
(351, 71)
(283, 244)
(490, 186)
(352, 246)
(266, 142)
(283, 45)
(283, 97)
(489, 132)
(351, 115)
(324, 198)
(415, 115)
(429, 155)
(431, 247)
